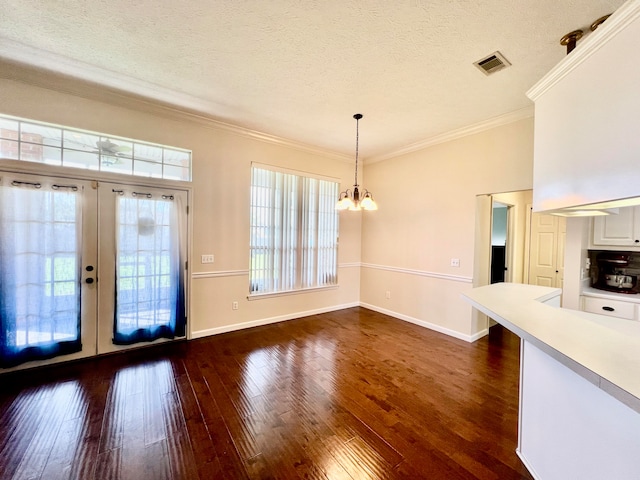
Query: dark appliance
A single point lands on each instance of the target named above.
(612, 274)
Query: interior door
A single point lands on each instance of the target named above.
(546, 263)
(142, 265)
(48, 254)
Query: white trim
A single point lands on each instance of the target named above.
(420, 273)
(494, 122)
(523, 459)
(616, 23)
(260, 296)
(35, 168)
(297, 173)
(240, 273)
(350, 265)
(220, 273)
(129, 92)
(267, 321)
(425, 324)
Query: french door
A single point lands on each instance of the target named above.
(87, 267)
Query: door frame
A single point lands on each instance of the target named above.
(78, 174)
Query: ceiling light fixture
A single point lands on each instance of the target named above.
(350, 199)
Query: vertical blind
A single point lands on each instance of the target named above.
(294, 232)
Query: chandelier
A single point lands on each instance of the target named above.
(350, 199)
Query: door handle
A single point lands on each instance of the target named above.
(89, 280)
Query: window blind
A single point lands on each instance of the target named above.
(294, 232)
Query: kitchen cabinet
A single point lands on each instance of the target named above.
(622, 230)
(609, 307)
(586, 142)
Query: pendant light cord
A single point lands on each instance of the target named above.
(355, 183)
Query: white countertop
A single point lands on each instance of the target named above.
(623, 297)
(604, 350)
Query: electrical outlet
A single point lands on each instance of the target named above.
(234, 306)
(388, 294)
(455, 262)
(206, 259)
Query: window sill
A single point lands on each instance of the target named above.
(260, 296)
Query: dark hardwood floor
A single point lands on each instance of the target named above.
(345, 395)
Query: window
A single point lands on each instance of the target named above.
(294, 231)
(49, 144)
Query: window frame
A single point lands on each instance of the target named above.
(69, 152)
(313, 200)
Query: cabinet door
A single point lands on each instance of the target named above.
(621, 229)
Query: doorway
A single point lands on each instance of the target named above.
(499, 242)
(88, 267)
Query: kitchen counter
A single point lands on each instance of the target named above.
(579, 409)
(604, 350)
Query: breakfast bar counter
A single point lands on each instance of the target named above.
(579, 384)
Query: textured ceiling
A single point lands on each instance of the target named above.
(301, 69)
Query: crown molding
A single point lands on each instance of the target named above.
(615, 24)
(457, 133)
(44, 69)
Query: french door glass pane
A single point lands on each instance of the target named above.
(39, 273)
(149, 280)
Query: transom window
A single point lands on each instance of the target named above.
(294, 231)
(32, 141)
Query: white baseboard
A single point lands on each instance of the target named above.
(526, 464)
(267, 321)
(430, 326)
(293, 316)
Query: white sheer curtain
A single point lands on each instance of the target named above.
(149, 272)
(294, 231)
(40, 262)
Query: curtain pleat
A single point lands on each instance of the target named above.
(39, 273)
(150, 292)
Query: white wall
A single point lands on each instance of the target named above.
(426, 217)
(220, 203)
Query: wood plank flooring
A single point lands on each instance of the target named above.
(345, 395)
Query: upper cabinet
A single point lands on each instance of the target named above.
(586, 143)
(622, 230)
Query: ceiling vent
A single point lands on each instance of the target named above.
(492, 63)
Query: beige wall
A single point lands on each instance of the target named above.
(427, 212)
(220, 200)
(426, 215)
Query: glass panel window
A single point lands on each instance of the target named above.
(116, 164)
(10, 149)
(33, 141)
(294, 232)
(9, 129)
(78, 159)
(41, 135)
(81, 141)
(176, 173)
(176, 157)
(147, 152)
(148, 169)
